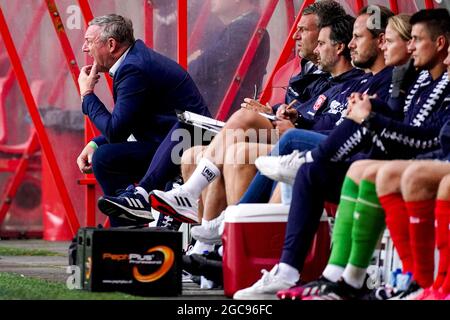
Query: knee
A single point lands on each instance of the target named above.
(357, 169)
(242, 119)
(370, 173)
(444, 188)
(388, 178)
(417, 184)
(101, 158)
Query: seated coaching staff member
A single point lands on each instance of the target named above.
(148, 87)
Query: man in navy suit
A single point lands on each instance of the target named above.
(148, 88)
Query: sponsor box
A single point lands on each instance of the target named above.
(138, 261)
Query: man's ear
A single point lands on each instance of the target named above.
(112, 45)
(441, 43)
(340, 48)
(381, 39)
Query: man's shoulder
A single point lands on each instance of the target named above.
(147, 61)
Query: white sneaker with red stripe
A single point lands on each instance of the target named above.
(177, 203)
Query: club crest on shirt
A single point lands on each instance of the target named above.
(319, 102)
(336, 107)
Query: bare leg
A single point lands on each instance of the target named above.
(388, 179)
(239, 168)
(189, 162)
(276, 195)
(233, 132)
(421, 179)
(444, 189)
(214, 199)
(364, 169)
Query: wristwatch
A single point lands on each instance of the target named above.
(366, 121)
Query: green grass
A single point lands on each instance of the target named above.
(6, 251)
(18, 287)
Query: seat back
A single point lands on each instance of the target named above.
(281, 80)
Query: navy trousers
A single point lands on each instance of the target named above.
(117, 165)
(315, 183)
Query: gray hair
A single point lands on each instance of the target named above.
(116, 27)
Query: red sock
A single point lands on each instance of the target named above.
(421, 231)
(397, 221)
(442, 234)
(443, 207)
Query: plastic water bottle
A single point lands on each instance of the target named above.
(393, 279)
(286, 193)
(403, 281)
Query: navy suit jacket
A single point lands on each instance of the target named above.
(148, 87)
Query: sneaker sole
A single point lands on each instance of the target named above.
(206, 240)
(257, 296)
(276, 177)
(160, 205)
(115, 210)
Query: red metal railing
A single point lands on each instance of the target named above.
(37, 121)
(182, 31)
(19, 173)
(148, 23)
(394, 6)
(290, 13)
(359, 5)
(429, 4)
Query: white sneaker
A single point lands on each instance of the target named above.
(282, 168)
(206, 235)
(210, 234)
(176, 203)
(265, 288)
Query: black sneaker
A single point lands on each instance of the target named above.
(208, 265)
(129, 205)
(384, 292)
(339, 291)
(413, 291)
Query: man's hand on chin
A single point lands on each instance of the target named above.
(87, 79)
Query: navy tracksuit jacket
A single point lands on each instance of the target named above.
(426, 111)
(148, 88)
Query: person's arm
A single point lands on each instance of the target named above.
(400, 133)
(131, 95)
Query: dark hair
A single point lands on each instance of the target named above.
(341, 31)
(436, 20)
(385, 14)
(326, 10)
